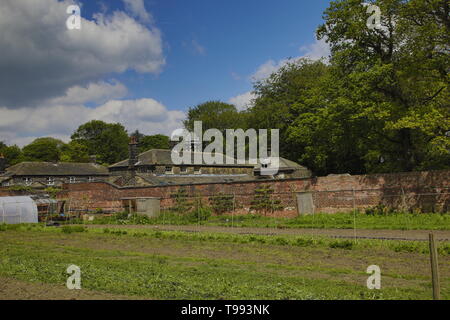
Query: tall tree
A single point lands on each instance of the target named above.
(109, 142)
(43, 149)
(157, 141)
(214, 115)
(75, 152)
(394, 78)
(13, 154)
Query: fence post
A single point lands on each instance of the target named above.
(234, 208)
(434, 268)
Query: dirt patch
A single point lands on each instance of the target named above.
(13, 289)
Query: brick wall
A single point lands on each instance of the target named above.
(427, 190)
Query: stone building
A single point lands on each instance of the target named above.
(48, 174)
(155, 167)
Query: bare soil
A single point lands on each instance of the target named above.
(12, 289)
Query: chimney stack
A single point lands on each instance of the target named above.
(134, 153)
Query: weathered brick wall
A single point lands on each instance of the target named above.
(331, 194)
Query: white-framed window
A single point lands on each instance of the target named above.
(5, 184)
(91, 179)
(28, 181)
(72, 180)
(183, 169)
(50, 181)
(197, 170)
(169, 170)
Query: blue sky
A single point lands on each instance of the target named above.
(142, 63)
(212, 47)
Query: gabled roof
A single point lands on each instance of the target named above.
(164, 158)
(56, 169)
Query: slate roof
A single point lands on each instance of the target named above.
(164, 158)
(56, 169)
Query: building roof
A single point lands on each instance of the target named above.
(56, 169)
(164, 158)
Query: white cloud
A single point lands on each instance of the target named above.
(243, 101)
(21, 126)
(99, 92)
(137, 8)
(41, 59)
(315, 51)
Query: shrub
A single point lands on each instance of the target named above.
(346, 244)
(379, 210)
(222, 203)
(72, 229)
(263, 202)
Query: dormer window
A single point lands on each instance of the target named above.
(197, 170)
(91, 179)
(183, 169)
(50, 181)
(72, 180)
(28, 181)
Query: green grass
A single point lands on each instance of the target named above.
(394, 221)
(122, 262)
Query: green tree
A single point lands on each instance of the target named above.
(157, 141)
(13, 154)
(43, 149)
(394, 79)
(214, 115)
(75, 152)
(109, 142)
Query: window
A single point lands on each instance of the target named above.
(91, 179)
(197, 170)
(72, 180)
(50, 181)
(6, 184)
(28, 181)
(169, 170)
(183, 169)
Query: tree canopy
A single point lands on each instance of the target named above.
(108, 142)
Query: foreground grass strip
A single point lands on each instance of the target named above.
(29, 255)
(395, 221)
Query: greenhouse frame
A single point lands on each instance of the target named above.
(14, 210)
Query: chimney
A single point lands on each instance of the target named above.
(2, 163)
(133, 152)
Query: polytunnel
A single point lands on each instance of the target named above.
(15, 210)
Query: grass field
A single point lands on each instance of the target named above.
(141, 263)
(395, 221)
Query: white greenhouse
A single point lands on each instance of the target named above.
(18, 210)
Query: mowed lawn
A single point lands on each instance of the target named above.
(149, 264)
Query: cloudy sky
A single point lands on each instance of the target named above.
(142, 63)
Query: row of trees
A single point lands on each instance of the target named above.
(380, 104)
(107, 142)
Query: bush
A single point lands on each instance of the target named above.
(379, 210)
(346, 244)
(72, 229)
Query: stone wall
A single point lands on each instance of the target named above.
(335, 193)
